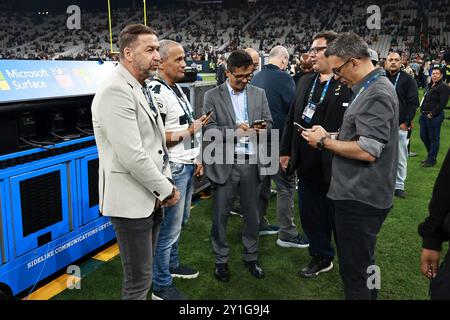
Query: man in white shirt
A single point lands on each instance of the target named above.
(182, 139)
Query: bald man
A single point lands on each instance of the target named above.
(406, 89)
(280, 91)
(255, 57)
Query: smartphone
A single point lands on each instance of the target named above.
(258, 123)
(208, 113)
(299, 126)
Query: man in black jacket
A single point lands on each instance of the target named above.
(434, 231)
(406, 89)
(280, 92)
(320, 100)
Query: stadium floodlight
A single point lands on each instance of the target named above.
(110, 24)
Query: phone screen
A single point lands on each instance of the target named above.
(299, 126)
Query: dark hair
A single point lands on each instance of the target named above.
(348, 45)
(130, 33)
(238, 59)
(437, 67)
(329, 36)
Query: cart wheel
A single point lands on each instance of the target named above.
(5, 293)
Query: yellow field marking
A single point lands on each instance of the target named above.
(108, 253)
(53, 288)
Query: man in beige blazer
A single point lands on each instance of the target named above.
(134, 176)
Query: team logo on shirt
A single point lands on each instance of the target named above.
(336, 91)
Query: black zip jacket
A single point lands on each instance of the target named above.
(312, 164)
(436, 98)
(408, 96)
(436, 227)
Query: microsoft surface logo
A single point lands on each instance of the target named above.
(3, 83)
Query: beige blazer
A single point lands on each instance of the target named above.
(131, 147)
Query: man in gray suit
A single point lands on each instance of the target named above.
(134, 176)
(235, 107)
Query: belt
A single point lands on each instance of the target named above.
(242, 156)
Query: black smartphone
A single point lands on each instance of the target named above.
(208, 113)
(299, 126)
(258, 123)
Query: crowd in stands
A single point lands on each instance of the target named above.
(206, 31)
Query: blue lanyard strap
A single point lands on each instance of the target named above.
(324, 91)
(365, 86)
(396, 80)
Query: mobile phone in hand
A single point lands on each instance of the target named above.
(258, 123)
(299, 126)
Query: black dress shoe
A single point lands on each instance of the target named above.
(221, 272)
(316, 266)
(254, 269)
(428, 164)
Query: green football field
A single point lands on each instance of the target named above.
(398, 252)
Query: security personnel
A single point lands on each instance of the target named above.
(407, 93)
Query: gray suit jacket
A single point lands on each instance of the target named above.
(223, 119)
(131, 146)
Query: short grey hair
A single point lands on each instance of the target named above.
(278, 52)
(165, 45)
(348, 45)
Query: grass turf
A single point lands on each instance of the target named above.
(398, 252)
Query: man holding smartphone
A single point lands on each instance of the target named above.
(319, 99)
(235, 106)
(183, 143)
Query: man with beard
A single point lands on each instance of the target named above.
(134, 173)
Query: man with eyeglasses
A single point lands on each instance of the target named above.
(239, 112)
(320, 100)
(364, 165)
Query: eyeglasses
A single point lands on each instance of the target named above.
(337, 71)
(316, 50)
(247, 76)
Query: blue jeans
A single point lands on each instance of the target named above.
(166, 254)
(430, 133)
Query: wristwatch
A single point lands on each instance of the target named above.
(320, 144)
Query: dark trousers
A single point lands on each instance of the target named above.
(440, 285)
(430, 133)
(244, 180)
(357, 227)
(137, 240)
(317, 218)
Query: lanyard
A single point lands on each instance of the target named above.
(424, 95)
(150, 101)
(365, 86)
(187, 111)
(324, 91)
(396, 80)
